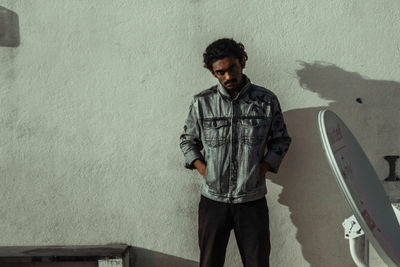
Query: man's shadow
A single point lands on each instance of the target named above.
(310, 191)
(9, 28)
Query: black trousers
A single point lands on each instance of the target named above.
(250, 223)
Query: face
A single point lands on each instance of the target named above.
(228, 71)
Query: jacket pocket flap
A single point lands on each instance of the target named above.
(210, 123)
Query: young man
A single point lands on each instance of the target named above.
(226, 134)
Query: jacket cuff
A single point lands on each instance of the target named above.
(273, 160)
(190, 157)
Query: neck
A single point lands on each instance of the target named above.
(235, 91)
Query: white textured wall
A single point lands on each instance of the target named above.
(93, 101)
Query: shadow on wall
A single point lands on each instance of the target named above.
(9, 28)
(148, 258)
(370, 109)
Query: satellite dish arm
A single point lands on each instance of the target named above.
(357, 258)
(358, 243)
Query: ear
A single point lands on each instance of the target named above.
(243, 63)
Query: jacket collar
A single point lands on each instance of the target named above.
(243, 91)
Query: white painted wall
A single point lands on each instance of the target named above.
(93, 101)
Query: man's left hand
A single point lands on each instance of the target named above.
(264, 168)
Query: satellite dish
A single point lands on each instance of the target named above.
(361, 187)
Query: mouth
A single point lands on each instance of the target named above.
(230, 83)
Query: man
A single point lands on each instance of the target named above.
(225, 136)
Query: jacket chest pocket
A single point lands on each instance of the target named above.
(215, 132)
(254, 131)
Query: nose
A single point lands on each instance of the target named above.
(228, 76)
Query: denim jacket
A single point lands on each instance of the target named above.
(231, 135)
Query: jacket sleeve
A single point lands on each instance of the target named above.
(278, 138)
(190, 140)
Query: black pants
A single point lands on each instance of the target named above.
(250, 223)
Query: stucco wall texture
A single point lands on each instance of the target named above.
(94, 99)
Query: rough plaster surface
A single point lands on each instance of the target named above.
(94, 99)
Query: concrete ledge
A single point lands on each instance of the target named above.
(65, 253)
(106, 255)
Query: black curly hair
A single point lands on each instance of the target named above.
(222, 48)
